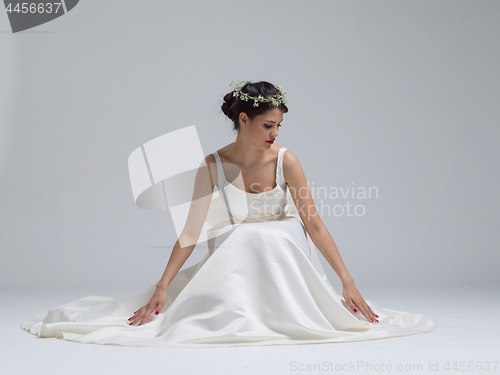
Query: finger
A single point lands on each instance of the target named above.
(363, 310)
(366, 312)
(142, 308)
(133, 319)
(159, 308)
(147, 314)
(140, 317)
(137, 317)
(139, 310)
(375, 315)
(372, 314)
(351, 304)
(144, 318)
(134, 315)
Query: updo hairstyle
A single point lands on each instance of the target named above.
(233, 106)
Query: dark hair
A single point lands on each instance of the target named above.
(233, 106)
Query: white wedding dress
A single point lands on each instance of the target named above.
(260, 283)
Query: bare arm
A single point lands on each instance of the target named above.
(200, 203)
(184, 246)
(297, 184)
(176, 261)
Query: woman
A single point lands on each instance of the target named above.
(255, 152)
(261, 283)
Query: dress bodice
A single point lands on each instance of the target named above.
(242, 206)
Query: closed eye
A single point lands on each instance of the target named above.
(270, 126)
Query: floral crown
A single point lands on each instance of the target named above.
(275, 100)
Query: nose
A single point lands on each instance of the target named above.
(274, 133)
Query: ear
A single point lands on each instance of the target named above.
(243, 119)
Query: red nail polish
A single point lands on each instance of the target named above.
(355, 310)
(156, 313)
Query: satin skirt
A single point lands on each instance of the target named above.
(262, 284)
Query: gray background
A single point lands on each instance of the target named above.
(400, 95)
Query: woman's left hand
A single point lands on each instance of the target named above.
(356, 302)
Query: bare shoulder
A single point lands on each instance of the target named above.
(210, 163)
(210, 158)
(291, 165)
(277, 147)
(290, 160)
(223, 151)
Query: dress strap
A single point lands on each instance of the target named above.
(280, 176)
(221, 183)
(221, 178)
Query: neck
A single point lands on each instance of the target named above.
(244, 153)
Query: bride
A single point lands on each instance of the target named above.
(254, 152)
(263, 284)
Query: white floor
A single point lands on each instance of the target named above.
(468, 334)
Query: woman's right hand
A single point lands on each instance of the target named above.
(155, 304)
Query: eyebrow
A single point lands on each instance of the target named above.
(273, 121)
